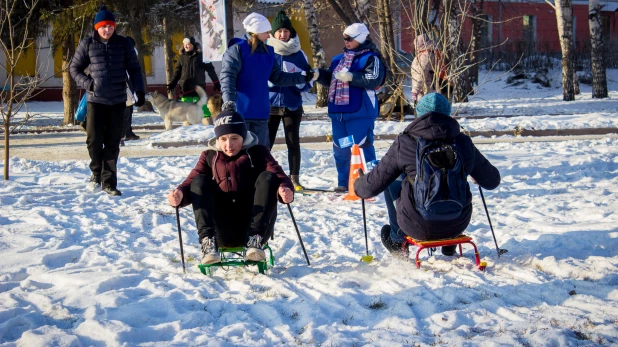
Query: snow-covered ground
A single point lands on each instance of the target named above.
(80, 268)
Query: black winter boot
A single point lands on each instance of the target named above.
(393, 247)
(449, 251)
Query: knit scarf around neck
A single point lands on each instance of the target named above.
(339, 91)
(284, 48)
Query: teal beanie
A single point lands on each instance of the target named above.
(433, 102)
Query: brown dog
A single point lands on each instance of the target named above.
(214, 106)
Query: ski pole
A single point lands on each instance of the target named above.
(367, 258)
(499, 250)
(182, 252)
(298, 233)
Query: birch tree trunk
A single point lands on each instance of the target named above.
(69, 87)
(564, 18)
(599, 78)
(319, 57)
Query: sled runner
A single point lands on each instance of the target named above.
(459, 240)
(235, 256)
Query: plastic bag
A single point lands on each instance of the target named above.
(82, 109)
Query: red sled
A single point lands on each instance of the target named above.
(459, 240)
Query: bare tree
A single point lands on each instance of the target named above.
(319, 58)
(564, 18)
(385, 21)
(168, 53)
(17, 20)
(454, 52)
(174, 17)
(348, 13)
(599, 78)
(476, 12)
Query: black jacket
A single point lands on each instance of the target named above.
(190, 69)
(108, 65)
(401, 158)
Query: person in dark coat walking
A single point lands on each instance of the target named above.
(396, 171)
(244, 180)
(190, 70)
(108, 57)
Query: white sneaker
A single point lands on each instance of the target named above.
(254, 249)
(210, 254)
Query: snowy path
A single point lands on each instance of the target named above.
(81, 268)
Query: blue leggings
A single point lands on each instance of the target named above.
(391, 194)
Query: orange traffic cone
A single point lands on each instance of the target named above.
(357, 162)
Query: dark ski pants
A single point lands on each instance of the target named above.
(127, 130)
(291, 127)
(103, 133)
(234, 217)
(259, 127)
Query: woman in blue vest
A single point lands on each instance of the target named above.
(353, 78)
(246, 69)
(286, 103)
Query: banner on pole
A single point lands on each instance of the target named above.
(212, 24)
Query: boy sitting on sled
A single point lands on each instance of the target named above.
(233, 190)
(396, 175)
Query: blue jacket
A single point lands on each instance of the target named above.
(368, 74)
(245, 76)
(108, 66)
(290, 97)
(401, 158)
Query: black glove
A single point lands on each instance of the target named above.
(229, 106)
(140, 98)
(217, 86)
(308, 76)
(171, 88)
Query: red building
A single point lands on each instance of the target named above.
(510, 23)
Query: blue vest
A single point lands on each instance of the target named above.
(252, 100)
(356, 93)
(289, 97)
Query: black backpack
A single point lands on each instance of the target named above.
(440, 186)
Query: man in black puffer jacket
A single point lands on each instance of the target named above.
(398, 169)
(108, 58)
(190, 69)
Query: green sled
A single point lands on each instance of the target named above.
(235, 256)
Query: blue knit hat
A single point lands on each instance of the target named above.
(433, 102)
(230, 122)
(104, 17)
